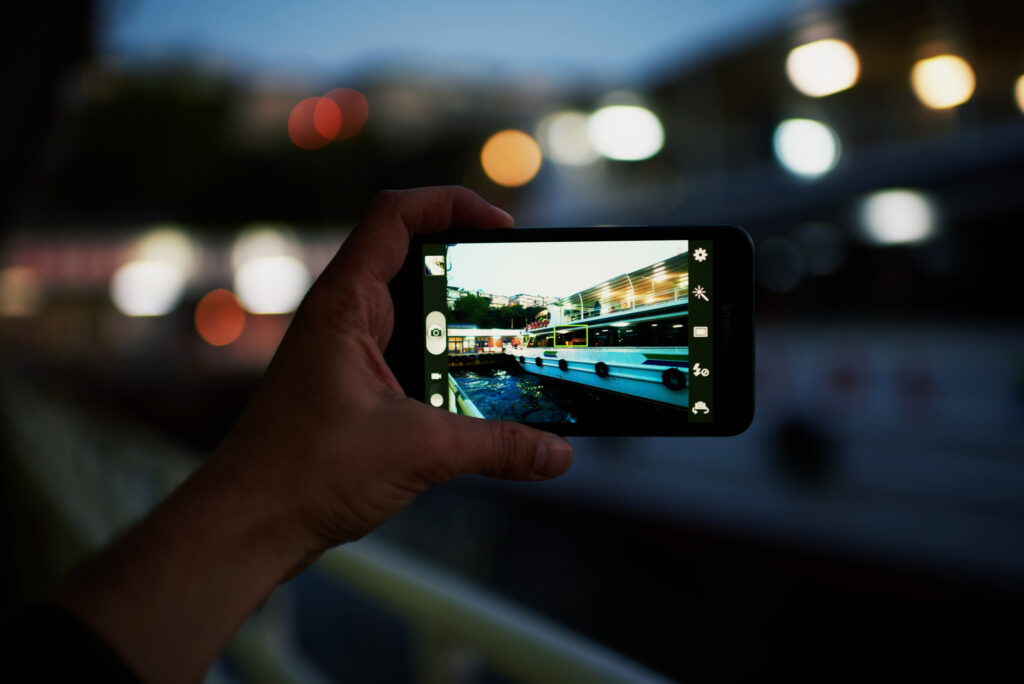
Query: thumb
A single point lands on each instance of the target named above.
(507, 450)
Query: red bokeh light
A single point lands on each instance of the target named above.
(353, 108)
(302, 123)
(327, 118)
(219, 318)
(338, 115)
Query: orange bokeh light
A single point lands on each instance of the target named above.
(354, 111)
(219, 318)
(314, 122)
(511, 158)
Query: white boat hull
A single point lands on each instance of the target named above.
(633, 371)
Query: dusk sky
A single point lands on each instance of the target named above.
(554, 269)
(321, 38)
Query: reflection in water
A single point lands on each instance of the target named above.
(508, 393)
(505, 395)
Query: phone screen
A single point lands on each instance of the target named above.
(567, 333)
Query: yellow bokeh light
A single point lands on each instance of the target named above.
(167, 243)
(942, 82)
(511, 158)
(823, 67)
(1018, 92)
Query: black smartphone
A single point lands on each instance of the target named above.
(581, 331)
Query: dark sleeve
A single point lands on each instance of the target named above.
(47, 643)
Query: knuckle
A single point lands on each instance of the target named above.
(437, 447)
(385, 200)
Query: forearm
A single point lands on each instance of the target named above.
(173, 591)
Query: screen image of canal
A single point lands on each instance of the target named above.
(505, 392)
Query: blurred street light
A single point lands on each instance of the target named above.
(510, 158)
(147, 288)
(1018, 92)
(563, 136)
(823, 67)
(314, 122)
(263, 240)
(271, 284)
(626, 132)
(20, 291)
(270, 276)
(353, 109)
(170, 244)
(805, 147)
(897, 216)
(219, 318)
(942, 82)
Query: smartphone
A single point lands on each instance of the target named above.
(581, 331)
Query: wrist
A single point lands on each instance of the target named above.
(189, 574)
(262, 510)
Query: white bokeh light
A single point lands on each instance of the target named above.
(625, 132)
(897, 216)
(147, 288)
(805, 147)
(263, 240)
(1018, 93)
(170, 244)
(563, 136)
(823, 67)
(271, 284)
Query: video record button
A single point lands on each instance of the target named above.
(437, 333)
(437, 395)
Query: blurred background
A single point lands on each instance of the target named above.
(177, 174)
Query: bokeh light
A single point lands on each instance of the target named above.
(307, 119)
(563, 136)
(20, 291)
(170, 244)
(805, 147)
(354, 111)
(626, 132)
(823, 67)
(942, 82)
(511, 158)
(263, 240)
(897, 216)
(1018, 93)
(271, 284)
(327, 118)
(147, 288)
(219, 318)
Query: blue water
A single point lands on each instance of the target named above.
(506, 395)
(509, 393)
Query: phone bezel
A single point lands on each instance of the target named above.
(732, 338)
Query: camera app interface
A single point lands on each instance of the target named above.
(569, 332)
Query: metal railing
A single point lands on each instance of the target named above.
(450, 616)
(633, 303)
(97, 481)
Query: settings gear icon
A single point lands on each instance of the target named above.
(700, 254)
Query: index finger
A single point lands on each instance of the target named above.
(379, 244)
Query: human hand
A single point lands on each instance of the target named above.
(327, 450)
(329, 437)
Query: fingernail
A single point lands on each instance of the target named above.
(553, 457)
